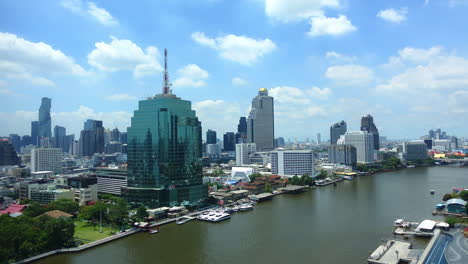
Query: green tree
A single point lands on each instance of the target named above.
(34, 209)
(268, 187)
(464, 195)
(307, 180)
(65, 205)
(447, 197)
(362, 168)
(141, 213)
(254, 176)
(93, 213)
(322, 175)
(118, 213)
(294, 180)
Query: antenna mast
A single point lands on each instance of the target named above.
(166, 84)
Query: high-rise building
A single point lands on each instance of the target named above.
(69, 139)
(87, 143)
(164, 152)
(242, 130)
(293, 162)
(319, 139)
(213, 150)
(45, 122)
(229, 141)
(123, 137)
(211, 137)
(279, 142)
(26, 140)
(60, 134)
(15, 140)
(413, 151)
(261, 124)
(35, 133)
(364, 144)
(343, 154)
(46, 159)
(336, 131)
(92, 138)
(367, 124)
(115, 135)
(8, 155)
(111, 180)
(243, 152)
(113, 147)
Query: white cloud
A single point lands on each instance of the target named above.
(334, 26)
(222, 116)
(90, 9)
(28, 61)
(294, 10)
(240, 49)
(414, 56)
(295, 103)
(350, 74)
(191, 76)
(123, 54)
(319, 93)
(120, 97)
(237, 81)
(393, 15)
(336, 57)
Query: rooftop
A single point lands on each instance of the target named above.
(57, 214)
(14, 208)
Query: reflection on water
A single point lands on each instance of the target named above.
(326, 225)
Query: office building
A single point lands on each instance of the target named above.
(46, 159)
(279, 142)
(164, 152)
(15, 141)
(26, 140)
(260, 124)
(292, 162)
(213, 150)
(115, 135)
(428, 143)
(343, 154)
(336, 131)
(97, 132)
(123, 137)
(60, 134)
(242, 130)
(319, 139)
(49, 194)
(211, 137)
(413, 151)
(243, 152)
(229, 141)
(113, 147)
(367, 124)
(8, 155)
(35, 133)
(87, 143)
(364, 144)
(442, 145)
(45, 122)
(111, 180)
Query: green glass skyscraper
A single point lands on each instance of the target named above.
(164, 153)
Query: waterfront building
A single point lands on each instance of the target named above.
(243, 152)
(292, 162)
(211, 137)
(45, 122)
(343, 154)
(229, 141)
(111, 180)
(164, 152)
(456, 206)
(428, 143)
(364, 144)
(46, 159)
(260, 124)
(241, 174)
(242, 130)
(336, 131)
(35, 133)
(413, 151)
(367, 124)
(8, 155)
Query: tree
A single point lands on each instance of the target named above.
(34, 209)
(294, 180)
(362, 168)
(268, 187)
(141, 213)
(118, 213)
(464, 195)
(92, 213)
(65, 205)
(307, 180)
(253, 176)
(322, 175)
(447, 197)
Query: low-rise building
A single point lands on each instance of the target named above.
(456, 206)
(111, 180)
(50, 194)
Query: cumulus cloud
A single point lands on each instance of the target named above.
(191, 76)
(336, 57)
(350, 74)
(294, 10)
(237, 81)
(334, 26)
(91, 10)
(296, 103)
(123, 54)
(28, 61)
(240, 49)
(120, 97)
(220, 115)
(393, 15)
(410, 55)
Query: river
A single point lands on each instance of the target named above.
(325, 225)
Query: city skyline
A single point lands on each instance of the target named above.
(372, 63)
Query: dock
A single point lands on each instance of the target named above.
(294, 189)
(394, 252)
(264, 197)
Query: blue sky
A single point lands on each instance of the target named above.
(404, 62)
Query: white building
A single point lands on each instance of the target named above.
(243, 152)
(241, 173)
(46, 159)
(213, 150)
(85, 195)
(292, 162)
(442, 145)
(364, 144)
(111, 180)
(42, 174)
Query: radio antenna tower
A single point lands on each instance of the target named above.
(166, 84)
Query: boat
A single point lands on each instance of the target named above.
(245, 207)
(440, 206)
(153, 231)
(184, 219)
(432, 191)
(220, 217)
(349, 178)
(411, 166)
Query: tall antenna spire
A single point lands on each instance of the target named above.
(166, 84)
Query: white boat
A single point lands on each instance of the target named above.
(184, 219)
(245, 207)
(153, 231)
(220, 217)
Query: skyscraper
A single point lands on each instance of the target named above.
(261, 124)
(229, 141)
(343, 154)
(337, 130)
(96, 144)
(46, 159)
(15, 140)
(45, 122)
(60, 134)
(8, 155)
(35, 133)
(211, 137)
(319, 139)
(164, 152)
(87, 142)
(242, 129)
(364, 144)
(115, 135)
(367, 124)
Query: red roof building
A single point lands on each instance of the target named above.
(14, 208)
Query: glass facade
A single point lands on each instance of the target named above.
(164, 154)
